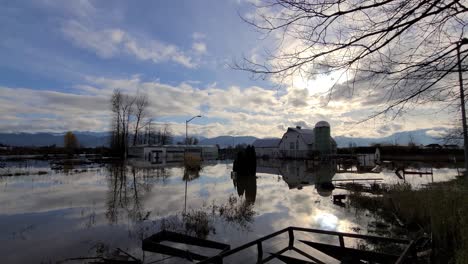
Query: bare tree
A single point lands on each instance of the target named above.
(121, 106)
(141, 105)
(70, 142)
(126, 109)
(404, 50)
(116, 105)
(166, 135)
(452, 136)
(412, 142)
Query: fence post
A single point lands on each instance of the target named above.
(291, 237)
(341, 241)
(259, 252)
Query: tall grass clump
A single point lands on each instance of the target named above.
(440, 209)
(192, 162)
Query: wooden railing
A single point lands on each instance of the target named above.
(409, 249)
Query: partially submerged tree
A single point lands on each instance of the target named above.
(70, 142)
(122, 109)
(141, 108)
(165, 135)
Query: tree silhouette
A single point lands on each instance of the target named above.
(70, 142)
(405, 51)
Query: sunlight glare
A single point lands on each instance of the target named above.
(327, 221)
(319, 85)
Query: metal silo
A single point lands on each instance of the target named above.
(322, 138)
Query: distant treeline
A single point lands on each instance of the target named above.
(52, 150)
(408, 152)
(231, 152)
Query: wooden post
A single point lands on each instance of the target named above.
(341, 241)
(259, 252)
(291, 237)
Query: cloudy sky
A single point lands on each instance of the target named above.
(61, 60)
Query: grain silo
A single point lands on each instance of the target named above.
(322, 138)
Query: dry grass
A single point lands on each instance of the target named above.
(192, 162)
(440, 209)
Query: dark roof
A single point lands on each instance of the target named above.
(433, 145)
(266, 143)
(306, 134)
(365, 150)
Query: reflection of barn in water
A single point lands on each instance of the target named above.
(298, 174)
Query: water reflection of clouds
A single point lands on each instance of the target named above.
(326, 221)
(72, 212)
(416, 181)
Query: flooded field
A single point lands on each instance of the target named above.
(92, 210)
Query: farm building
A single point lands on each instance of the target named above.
(157, 154)
(368, 157)
(267, 147)
(298, 143)
(304, 143)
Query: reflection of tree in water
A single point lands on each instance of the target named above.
(246, 185)
(244, 174)
(200, 222)
(125, 194)
(128, 186)
(155, 174)
(191, 173)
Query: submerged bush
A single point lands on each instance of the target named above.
(192, 162)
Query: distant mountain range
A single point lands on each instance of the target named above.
(225, 141)
(85, 139)
(418, 137)
(95, 139)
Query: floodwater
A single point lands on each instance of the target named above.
(91, 211)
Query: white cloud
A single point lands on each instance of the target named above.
(104, 43)
(199, 47)
(439, 133)
(198, 36)
(111, 42)
(233, 110)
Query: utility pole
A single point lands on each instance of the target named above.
(462, 102)
(186, 127)
(185, 157)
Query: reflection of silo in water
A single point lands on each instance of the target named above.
(323, 181)
(322, 137)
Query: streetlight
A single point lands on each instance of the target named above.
(185, 157)
(186, 127)
(463, 41)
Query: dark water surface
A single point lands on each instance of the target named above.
(92, 211)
